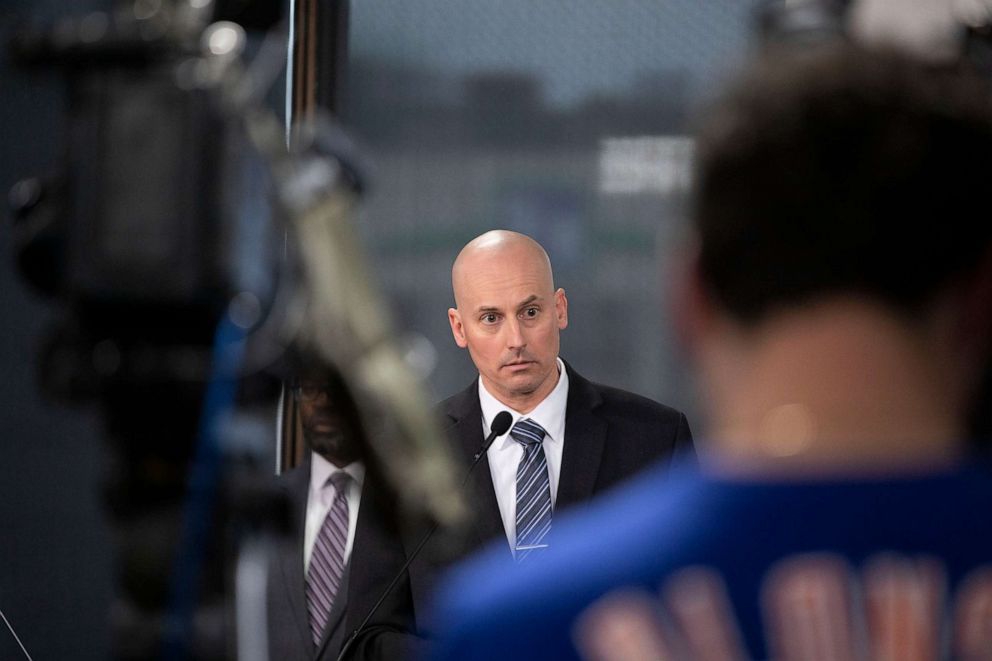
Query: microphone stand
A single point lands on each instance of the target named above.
(501, 424)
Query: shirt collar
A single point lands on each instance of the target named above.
(321, 469)
(550, 413)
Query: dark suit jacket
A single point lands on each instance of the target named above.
(610, 434)
(374, 556)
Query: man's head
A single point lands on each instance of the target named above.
(508, 315)
(843, 171)
(838, 209)
(327, 416)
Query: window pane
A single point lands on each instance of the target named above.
(563, 119)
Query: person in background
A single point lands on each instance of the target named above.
(343, 542)
(839, 311)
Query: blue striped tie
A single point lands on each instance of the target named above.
(533, 489)
(327, 559)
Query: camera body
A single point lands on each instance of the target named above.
(159, 228)
(160, 217)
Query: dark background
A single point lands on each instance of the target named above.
(55, 548)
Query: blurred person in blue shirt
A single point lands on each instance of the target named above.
(838, 307)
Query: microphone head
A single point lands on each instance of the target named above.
(501, 423)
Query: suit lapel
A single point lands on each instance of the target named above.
(297, 484)
(585, 438)
(465, 413)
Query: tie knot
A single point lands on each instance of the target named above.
(527, 432)
(339, 480)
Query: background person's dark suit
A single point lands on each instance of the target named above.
(375, 556)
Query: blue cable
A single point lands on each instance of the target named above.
(204, 478)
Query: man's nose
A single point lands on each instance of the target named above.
(515, 334)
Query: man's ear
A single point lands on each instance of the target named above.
(457, 329)
(561, 309)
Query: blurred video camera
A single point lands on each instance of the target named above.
(160, 220)
(161, 228)
(193, 245)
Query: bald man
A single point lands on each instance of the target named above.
(570, 438)
(580, 436)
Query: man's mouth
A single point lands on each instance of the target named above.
(323, 426)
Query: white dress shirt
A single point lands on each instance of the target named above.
(505, 453)
(321, 496)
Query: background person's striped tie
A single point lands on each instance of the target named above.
(327, 559)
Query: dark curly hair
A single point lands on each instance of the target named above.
(839, 170)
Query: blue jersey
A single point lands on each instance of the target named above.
(685, 566)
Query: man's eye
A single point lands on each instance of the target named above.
(531, 312)
(489, 318)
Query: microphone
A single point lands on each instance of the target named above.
(501, 424)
